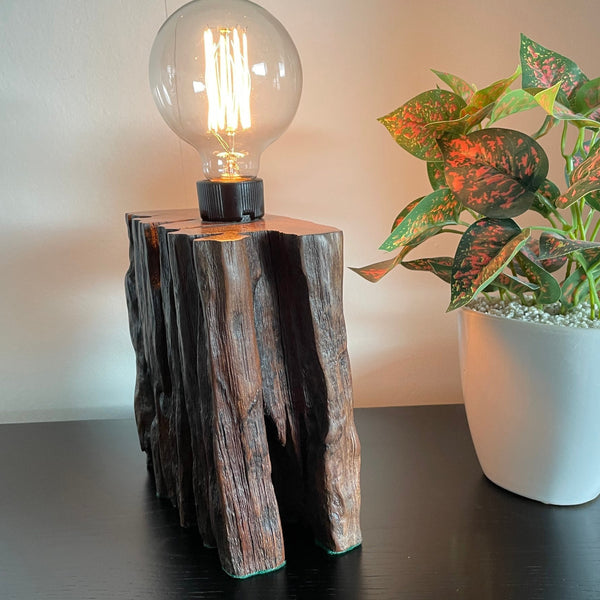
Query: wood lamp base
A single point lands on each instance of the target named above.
(243, 395)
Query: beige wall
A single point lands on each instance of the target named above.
(82, 143)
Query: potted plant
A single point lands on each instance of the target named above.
(531, 390)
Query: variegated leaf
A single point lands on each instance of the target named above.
(456, 84)
(435, 173)
(514, 101)
(547, 125)
(549, 192)
(547, 99)
(549, 289)
(376, 271)
(405, 211)
(488, 95)
(585, 180)
(436, 210)
(589, 166)
(495, 172)
(407, 124)
(576, 286)
(440, 266)
(587, 99)
(544, 68)
(482, 254)
(549, 264)
(511, 284)
(553, 245)
(463, 124)
(578, 190)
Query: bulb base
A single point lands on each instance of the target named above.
(230, 201)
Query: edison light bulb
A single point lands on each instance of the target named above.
(226, 77)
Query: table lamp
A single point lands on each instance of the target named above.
(226, 77)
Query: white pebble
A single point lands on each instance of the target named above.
(578, 316)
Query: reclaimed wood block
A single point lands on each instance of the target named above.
(243, 396)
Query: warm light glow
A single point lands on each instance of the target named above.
(227, 80)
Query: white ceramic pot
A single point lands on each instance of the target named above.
(532, 397)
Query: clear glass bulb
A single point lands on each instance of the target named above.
(227, 78)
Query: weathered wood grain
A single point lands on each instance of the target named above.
(243, 393)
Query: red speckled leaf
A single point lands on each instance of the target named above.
(405, 211)
(593, 198)
(587, 99)
(440, 266)
(532, 251)
(579, 157)
(435, 173)
(547, 99)
(578, 190)
(589, 166)
(430, 232)
(511, 284)
(407, 124)
(576, 286)
(514, 101)
(585, 179)
(433, 212)
(495, 172)
(553, 245)
(547, 125)
(549, 289)
(456, 84)
(376, 271)
(488, 95)
(549, 192)
(461, 125)
(544, 68)
(483, 252)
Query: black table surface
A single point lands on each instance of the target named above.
(79, 520)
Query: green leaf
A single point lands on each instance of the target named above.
(495, 172)
(435, 173)
(440, 266)
(433, 212)
(544, 68)
(483, 252)
(488, 95)
(407, 124)
(587, 99)
(549, 289)
(514, 101)
(553, 245)
(463, 124)
(456, 84)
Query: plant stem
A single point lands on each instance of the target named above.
(595, 231)
(579, 219)
(592, 292)
(563, 150)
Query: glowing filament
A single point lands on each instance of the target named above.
(227, 80)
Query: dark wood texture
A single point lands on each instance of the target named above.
(243, 396)
(79, 520)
